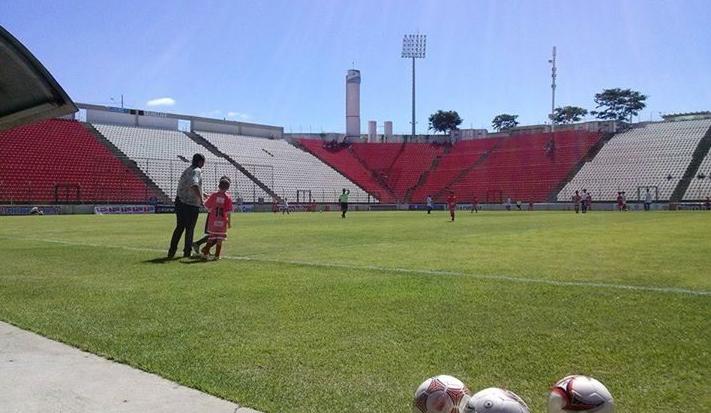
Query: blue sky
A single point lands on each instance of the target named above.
(284, 62)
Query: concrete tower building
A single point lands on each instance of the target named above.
(353, 103)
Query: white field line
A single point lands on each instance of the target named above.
(524, 280)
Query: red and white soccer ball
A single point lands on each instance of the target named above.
(580, 394)
(441, 394)
(495, 400)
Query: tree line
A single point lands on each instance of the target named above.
(611, 104)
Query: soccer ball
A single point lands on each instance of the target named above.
(441, 394)
(580, 394)
(495, 400)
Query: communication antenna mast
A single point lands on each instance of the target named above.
(553, 76)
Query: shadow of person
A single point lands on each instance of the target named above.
(194, 260)
(160, 260)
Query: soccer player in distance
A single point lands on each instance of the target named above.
(475, 205)
(219, 206)
(452, 204)
(576, 201)
(343, 200)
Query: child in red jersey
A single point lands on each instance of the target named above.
(219, 206)
(452, 204)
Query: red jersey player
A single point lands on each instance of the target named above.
(452, 204)
(219, 206)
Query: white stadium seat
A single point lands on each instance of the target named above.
(653, 154)
(285, 168)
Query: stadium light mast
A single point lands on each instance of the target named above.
(554, 70)
(413, 47)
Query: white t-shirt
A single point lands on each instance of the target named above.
(189, 178)
(429, 201)
(648, 198)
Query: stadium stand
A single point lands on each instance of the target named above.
(648, 155)
(341, 159)
(699, 180)
(461, 156)
(413, 161)
(60, 161)
(527, 167)
(287, 170)
(163, 155)
(700, 187)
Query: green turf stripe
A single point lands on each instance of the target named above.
(644, 288)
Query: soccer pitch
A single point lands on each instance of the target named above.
(310, 312)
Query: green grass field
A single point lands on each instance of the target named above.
(313, 313)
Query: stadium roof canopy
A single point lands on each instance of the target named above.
(28, 92)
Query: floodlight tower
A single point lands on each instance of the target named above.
(413, 47)
(554, 70)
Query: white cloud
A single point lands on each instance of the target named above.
(238, 115)
(161, 102)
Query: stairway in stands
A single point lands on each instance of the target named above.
(467, 170)
(702, 149)
(162, 196)
(553, 196)
(215, 151)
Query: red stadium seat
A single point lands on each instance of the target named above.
(62, 156)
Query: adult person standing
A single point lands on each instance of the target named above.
(429, 204)
(648, 199)
(188, 201)
(576, 201)
(343, 200)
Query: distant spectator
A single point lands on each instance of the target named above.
(507, 204)
(518, 204)
(624, 201)
(285, 207)
(648, 200)
(530, 205)
(429, 204)
(36, 211)
(576, 201)
(585, 201)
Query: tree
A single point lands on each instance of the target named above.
(444, 122)
(619, 104)
(504, 121)
(568, 114)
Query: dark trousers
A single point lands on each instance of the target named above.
(647, 206)
(204, 238)
(186, 218)
(344, 209)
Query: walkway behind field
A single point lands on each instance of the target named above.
(41, 375)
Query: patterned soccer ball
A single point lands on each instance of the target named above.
(580, 394)
(495, 400)
(441, 394)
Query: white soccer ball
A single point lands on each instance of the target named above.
(441, 394)
(495, 400)
(580, 394)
